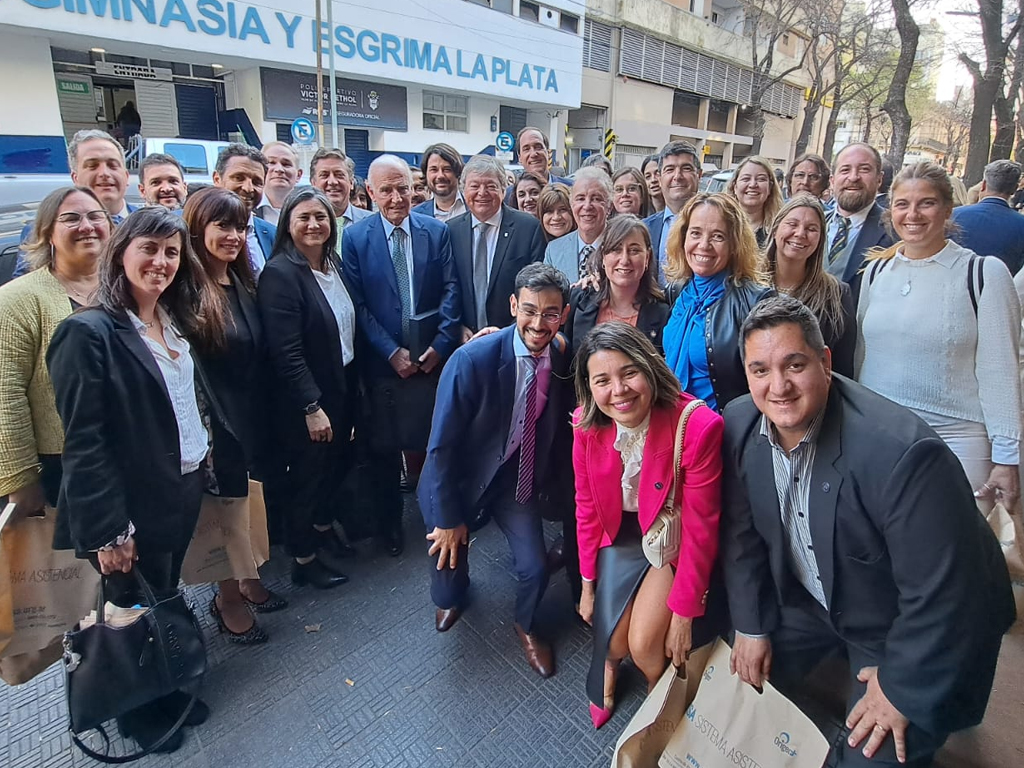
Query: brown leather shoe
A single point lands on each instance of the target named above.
(446, 618)
(538, 653)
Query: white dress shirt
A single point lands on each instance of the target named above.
(342, 308)
(404, 226)
(257, 257)
(857, 219)
(515, 432)
(458, 208)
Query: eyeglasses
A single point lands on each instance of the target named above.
(490, 187)
(800, 176)
(72, 219)
(632, 189)
(551, 318)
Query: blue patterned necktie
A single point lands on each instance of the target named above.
(839, 244)
(524, 485)
(402, 277)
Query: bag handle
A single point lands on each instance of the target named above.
(121, 759)
(677, 456)
(147, 591)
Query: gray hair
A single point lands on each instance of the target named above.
(596, 175)
(83, 136)
(388, 161)
(1002, 177)
(485, 165)
(780, 310)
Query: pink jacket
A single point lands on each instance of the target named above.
(598, 468)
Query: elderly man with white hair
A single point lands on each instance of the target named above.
(591, 203)
(401, 275)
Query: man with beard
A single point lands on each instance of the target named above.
(855, 226)
(283, 173)
(678, 175)
(333, 172)
(162, 181)
(442, 168)
(499, 445)
(243, 170)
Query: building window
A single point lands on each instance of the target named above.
(443, 112)
(569, 23)
(529, 11)
(714, 17)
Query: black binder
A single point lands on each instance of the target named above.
(422, 330)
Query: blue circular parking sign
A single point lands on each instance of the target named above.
(505, 141)
(303, 131)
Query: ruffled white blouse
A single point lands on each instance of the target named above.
(629, 442)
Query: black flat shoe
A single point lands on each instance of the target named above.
(273, 603)
(316, 573)
(173, 704)
(254, 635)
(147, 726)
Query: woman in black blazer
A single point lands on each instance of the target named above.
(135, 444)
(625, 289)
(309, 322)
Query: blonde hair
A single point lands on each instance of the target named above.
(743, 250)
(774, 201)
(39, 252)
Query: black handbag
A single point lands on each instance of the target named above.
(110, 671)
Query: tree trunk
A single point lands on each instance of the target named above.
(757, 114)
(1005, 105)
(895, 105)
(830, 129)
(810, 115)
(980, 142)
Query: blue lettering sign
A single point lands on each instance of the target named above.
(417, 54)
(289, 27)
(371, 53)
(146, 7)
(441, 62)
(390, 46)
(346, 38)
(210, 10)
(175, 10)
(252, 24)
(99, 8)
(44, 5)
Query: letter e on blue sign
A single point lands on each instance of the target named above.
(505, 141)
(303, 131)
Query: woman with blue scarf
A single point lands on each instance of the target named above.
(713, 284)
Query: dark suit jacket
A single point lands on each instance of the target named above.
(303, 343)
(992, 228)
(871, 235)
(370, 276)
(122, 460)
(472, 417)
(426, 208)
(583, 317)
(520, 242)
(912, 574)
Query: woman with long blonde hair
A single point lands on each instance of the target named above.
(756, 189)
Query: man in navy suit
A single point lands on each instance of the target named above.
(243, 170)
(991, 227)
(855, 225)
(442, 169)
(500, 442)
(491, 244)
(399, 267)
(679, 175)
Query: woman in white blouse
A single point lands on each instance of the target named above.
(134, 441)
(309, 323)
(938, 332)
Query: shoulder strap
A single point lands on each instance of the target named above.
(975, 282)
(875, 268)
(677, 460)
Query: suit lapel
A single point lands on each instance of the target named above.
(421, 264)
(659, 451)
(505, 232)
(131, 338)
(507, 383)
(383, 247)
(765, 498)
(823, 498)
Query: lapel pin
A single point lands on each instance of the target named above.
(826, 487)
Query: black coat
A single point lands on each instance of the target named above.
(911, 572)
(520, 242)
(304, 345)
(583, 317)
(722, 335)
(122, 460)
(843, 345)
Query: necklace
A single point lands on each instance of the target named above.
(80, 296)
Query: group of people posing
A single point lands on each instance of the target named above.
(845, 384)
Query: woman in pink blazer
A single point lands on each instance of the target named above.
(625, 428)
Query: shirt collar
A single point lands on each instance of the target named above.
(947, 257)
(458, 199)
(856, 218)
(625, 434)
(668, 215)
(519, 347)
(810, 436)
(165, 320)
(389, 227)
(123, 213)
(580, 245)
(494, 221)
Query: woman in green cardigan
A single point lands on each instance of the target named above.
(69, 234)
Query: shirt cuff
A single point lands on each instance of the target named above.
(752, 637)
(1005, 450)
(120, 540)
(589, 581)
(397, 350)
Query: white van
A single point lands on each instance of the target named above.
(197, 156)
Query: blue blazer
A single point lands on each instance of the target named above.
(426, 208)
(265, 234)
(561, 253)
(655, 224)
(370, 276)
(472, 417)
(992, 228)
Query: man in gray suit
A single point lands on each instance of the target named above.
(333, 172)
(591, 201)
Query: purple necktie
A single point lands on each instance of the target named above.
(524, 486)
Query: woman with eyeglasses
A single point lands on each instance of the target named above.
(755, 188)
(630, 193)
(64, 249)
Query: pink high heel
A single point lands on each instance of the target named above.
(600, 716)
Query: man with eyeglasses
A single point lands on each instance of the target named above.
(679, 174)
(401, 275)
(808, 175)
(499, 447)
(491, 243)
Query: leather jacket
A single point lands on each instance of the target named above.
(722, 333)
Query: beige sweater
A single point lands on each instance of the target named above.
(31, 307)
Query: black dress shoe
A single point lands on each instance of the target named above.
(556, 555)
(328, 541)
(173, 704)
(316, 573)
(446, 617)
(394, 542)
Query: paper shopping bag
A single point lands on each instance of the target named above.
(49, 590)
(1010, 534)
(258, 533)
(646, 735)
(730, 724)
(15, 670)
(221, 546)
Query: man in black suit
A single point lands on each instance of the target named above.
(855, 225)
(849, 527)
(491, 243)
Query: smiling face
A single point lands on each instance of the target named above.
(627, 195)
(331, 176)
(706, 241)
(100, 167)
(420, 193)
(679, 177)
(788, 380)
(483, 194)
(527, 192)
(441, 178)
(79, 241)
(752, 187)
(283, 173)
(652, 177)
(798, 235)
(164, 186)
(310, 227)
(538, 314)
(619, 388)
(590, 209)
(557, 221)
(390, 187)
(150, 264)
(245, 177)
(919, 215)
(533, 153)
(807, 179)
(856, 179)
(625, 265)
(224, 240)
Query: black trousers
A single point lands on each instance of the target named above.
(804, 638)
(524, 531)
(316, 473)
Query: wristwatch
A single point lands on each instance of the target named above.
(311, 408)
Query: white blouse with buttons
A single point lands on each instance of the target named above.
(629, 442)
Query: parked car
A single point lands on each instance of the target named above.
(715, 182)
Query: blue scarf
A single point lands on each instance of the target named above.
(685, 348)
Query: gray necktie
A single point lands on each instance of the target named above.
(402, 277)
(480, 274)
